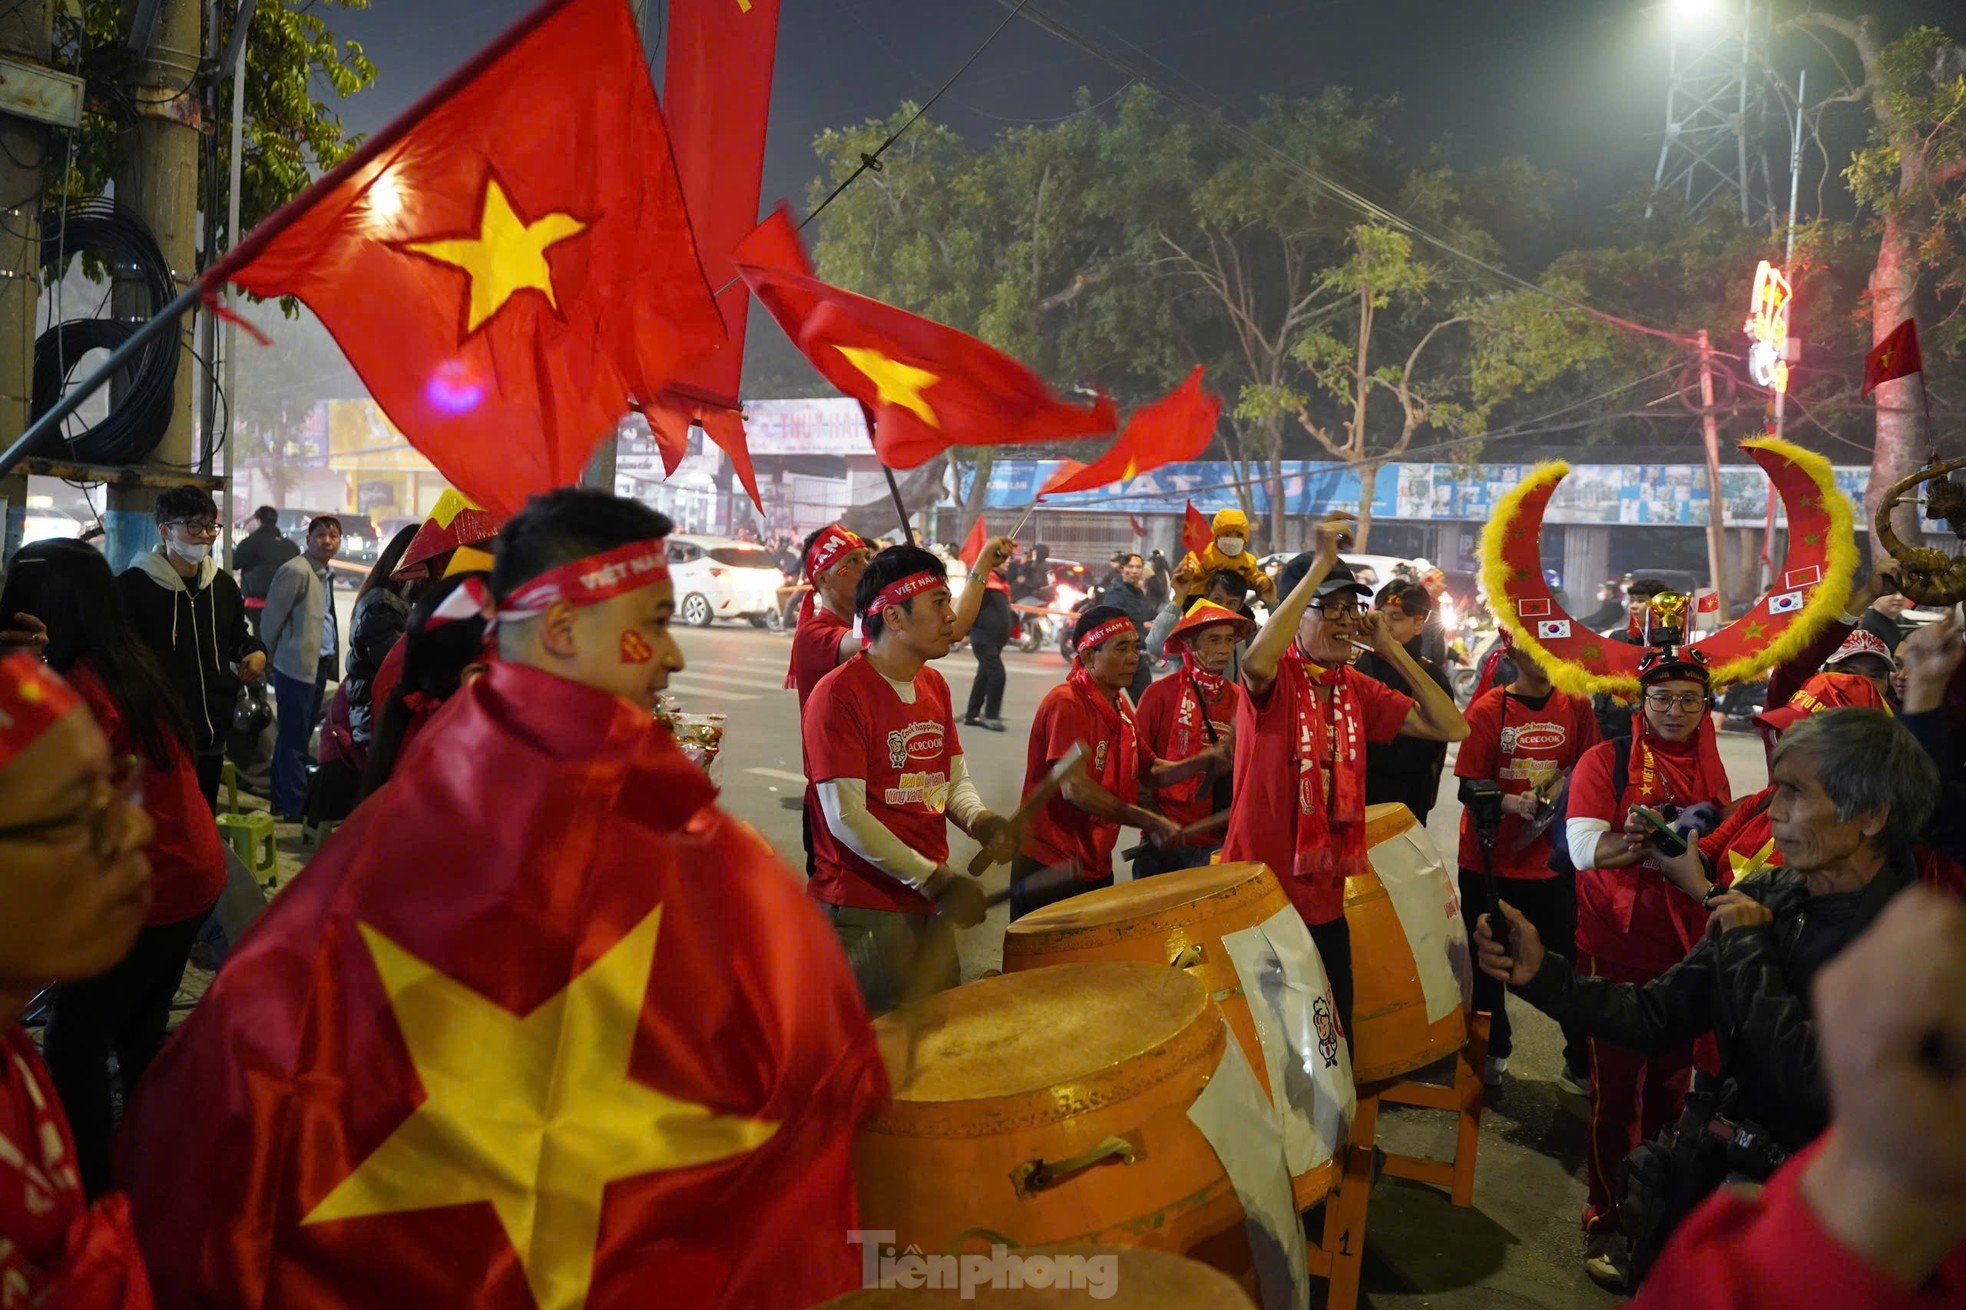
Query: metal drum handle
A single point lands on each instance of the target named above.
(1037, 1175)
(1188, 956)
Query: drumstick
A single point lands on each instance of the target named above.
(1036, 801)
(1199, 827)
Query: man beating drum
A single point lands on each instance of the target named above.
(1301, 738)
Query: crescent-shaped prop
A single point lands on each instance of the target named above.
(1810, 589)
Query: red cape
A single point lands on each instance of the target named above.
(533, 829)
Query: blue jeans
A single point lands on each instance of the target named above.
(296, 706)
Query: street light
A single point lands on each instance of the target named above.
(1690, 12)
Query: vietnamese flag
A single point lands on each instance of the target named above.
(973, 544)
(1196, 533)
(929, 386)
(508, 264)
(1178, 426)
(1894, 357)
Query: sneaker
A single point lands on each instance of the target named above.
(1492, 1073)
(972, 723)
(994, 725)
(1607, 1260)
(1575, 1081)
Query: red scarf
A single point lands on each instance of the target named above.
(1660, 775)
(1193, 732)
(1119, 771)
(1331, 768)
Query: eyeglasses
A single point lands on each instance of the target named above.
(196, 527)
(1348, 609)
(124, 784)
(1663, 701)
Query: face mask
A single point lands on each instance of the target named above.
(1230, 545)
(189, 552)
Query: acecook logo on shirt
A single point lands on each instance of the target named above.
(921, 741)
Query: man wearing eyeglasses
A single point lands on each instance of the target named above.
(190, 612)
(1302, 736)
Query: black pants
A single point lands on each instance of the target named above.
(1153, 859)
(1034, 886)
(123, 1011)
(1550, 905)
(1334, 946)
(211, 771)
(986, 693)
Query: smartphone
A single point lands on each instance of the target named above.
(1662, 834)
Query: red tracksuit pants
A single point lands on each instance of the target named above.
(1634, 1097)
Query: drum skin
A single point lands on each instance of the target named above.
(1176, 918)
(1389, 1011)
(1050, 1065)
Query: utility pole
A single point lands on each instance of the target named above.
(600, 467)
(25, 35)
(156, 176)
(1716, 506)
(236, 60)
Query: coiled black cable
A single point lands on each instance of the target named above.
(141, 413)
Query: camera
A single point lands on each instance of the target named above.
(1484, 804)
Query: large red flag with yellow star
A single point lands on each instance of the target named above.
(928, 386)
(509, 263)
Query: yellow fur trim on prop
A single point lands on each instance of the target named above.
(1573, 679)
(1839, 568)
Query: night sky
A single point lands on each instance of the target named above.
(1577, 86)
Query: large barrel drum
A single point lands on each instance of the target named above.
(1409, 952)
(1181, 919)
(1052, 1106)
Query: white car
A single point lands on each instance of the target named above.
(723, 578)
(46, 521)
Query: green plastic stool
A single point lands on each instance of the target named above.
(230, 775)
(251, 838)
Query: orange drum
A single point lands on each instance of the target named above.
(1177, 918)
(1114, 1277)
(1052, 1106)
(1408, 1009)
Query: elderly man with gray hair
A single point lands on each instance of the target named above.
(1853, 791)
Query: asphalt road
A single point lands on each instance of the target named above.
(1518, 1246)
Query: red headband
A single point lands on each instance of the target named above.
(1102, 634)
(907, 588)
(592, 580)
(832, 542)
(32, 698)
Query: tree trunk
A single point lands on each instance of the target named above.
(1901, 436)
(1368, 483)
(1279, 517)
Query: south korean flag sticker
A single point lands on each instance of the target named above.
(1553, 629)
(1787, 602)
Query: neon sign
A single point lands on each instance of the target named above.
(1768, 328)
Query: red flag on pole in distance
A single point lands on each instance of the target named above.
(1196, 535)
(1178, 426)
(929, 386)
(716, 93)
(1894, 357)
(509, 263)
(1139, 528)
(973, 544)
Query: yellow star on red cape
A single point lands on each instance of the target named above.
(507, 256)
(899, 384)
(533, 1114)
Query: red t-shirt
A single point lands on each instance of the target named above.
(1061, 833)
(1633, 916)
(1263, 822)
(187, 860)
(1157, 719)
(816, 650)
(56, 1249)
(1771, 1252)
(857, 726)
(1533, 743)
(1743, 843)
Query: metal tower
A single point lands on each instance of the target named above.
(1717, 113)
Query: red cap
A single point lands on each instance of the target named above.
(32, 697)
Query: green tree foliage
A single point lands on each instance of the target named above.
(296, 69)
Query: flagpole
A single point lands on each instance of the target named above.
(164, 320)
(894, 490)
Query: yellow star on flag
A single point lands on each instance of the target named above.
(900, 385)
(1746, 866)
(534, 1114)
(507, 256)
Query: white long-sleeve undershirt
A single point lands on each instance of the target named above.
(1582, 835)
(844, 801)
